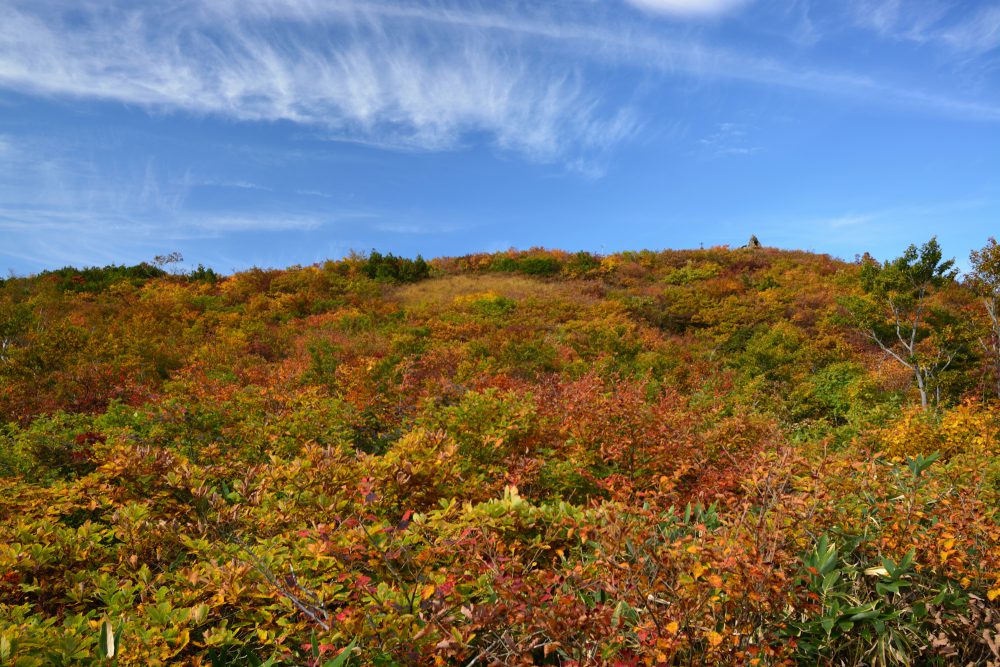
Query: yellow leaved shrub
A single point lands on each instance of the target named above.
(969, 427)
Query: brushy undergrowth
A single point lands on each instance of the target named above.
(650, 458)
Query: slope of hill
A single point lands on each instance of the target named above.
(679, 457)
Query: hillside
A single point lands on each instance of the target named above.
(711, 456)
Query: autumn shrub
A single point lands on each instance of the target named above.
(323, 363)
(488, 427)
(544, 266)
(419, 470)
(692, 272)
(15, 457)
(259, 423)
(582, 264)
(883, 614)
(646, 458)
(573, 480)
(896, 588)
(97, 279)
(205, 274)
(967, 428)
(55, 446)
(391, 268)
(829, 392)
(493, 306)
(774, 353)
(532, 265)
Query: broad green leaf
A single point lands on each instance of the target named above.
(343, 656)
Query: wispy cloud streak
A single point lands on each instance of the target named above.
(427, 76)
(689, 7)
(356, 74)
(963, 29)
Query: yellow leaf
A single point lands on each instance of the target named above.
(427, 591)
(714, 638)
(182, 640)
(993, 594)
(673, 627)
(198, 613)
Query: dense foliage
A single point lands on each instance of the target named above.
(745, 457)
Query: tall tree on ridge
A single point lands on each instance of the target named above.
(896, 311)
(985, 282)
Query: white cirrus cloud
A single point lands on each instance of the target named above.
(688, 8)
(363, 75)
(530, 79)
(978, 34)
(729, 139)
(966, 30)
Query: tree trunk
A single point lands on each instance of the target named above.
(921, 385)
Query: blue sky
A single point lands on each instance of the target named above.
(278, 132)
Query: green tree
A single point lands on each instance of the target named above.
(897, 311)
(985, 282)
(15, 319)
